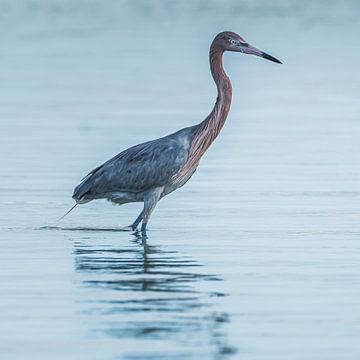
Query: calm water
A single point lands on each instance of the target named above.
(257, 257)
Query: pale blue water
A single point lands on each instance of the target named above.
(257, 257)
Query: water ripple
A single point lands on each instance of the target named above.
(141, 291)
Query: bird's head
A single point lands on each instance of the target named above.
(230, 41)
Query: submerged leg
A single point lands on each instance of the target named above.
(150, 202)
(135, 224)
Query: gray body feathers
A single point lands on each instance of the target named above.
(133, 173)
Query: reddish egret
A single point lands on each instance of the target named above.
(149, 171)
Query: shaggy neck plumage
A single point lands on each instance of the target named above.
(209, 129)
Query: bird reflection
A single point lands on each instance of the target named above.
(145, 292)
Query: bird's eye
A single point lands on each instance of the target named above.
(233, 42)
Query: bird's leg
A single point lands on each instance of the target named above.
(135, 224)
(150, 202)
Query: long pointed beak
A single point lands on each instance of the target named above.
(254, 51)
(269, 57)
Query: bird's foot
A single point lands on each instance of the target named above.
(133, 227)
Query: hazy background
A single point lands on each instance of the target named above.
(256, 258)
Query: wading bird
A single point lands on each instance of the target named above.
(149, 171)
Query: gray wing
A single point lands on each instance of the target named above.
(139, 168)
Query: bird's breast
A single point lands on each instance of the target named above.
(179, 179)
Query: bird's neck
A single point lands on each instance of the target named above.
(209, 129)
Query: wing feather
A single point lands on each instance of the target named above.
(139, 168)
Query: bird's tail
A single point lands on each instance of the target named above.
(67, 212)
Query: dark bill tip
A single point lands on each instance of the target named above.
(271, 58)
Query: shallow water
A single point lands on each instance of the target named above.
(257, 257)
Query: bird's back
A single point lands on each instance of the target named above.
(138, 169)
